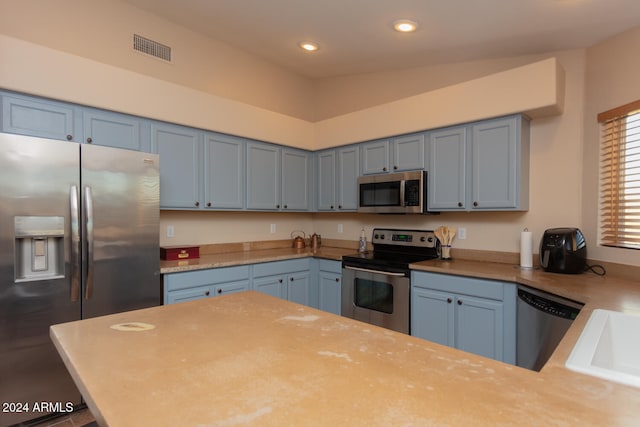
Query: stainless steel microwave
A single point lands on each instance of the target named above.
(398, 193)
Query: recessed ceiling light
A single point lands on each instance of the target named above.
(309, 46)
(405, 26)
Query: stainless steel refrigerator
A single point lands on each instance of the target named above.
(79, 238)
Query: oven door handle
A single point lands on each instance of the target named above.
(367, 270)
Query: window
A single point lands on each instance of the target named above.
(620, 177)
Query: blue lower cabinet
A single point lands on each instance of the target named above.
(290, 280)
(474, 315)
(330, 286)
(193, 285)
(272, 285)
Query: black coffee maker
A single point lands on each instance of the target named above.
(563, 250)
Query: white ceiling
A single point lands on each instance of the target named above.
(355, 36)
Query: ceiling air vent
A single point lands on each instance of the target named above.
(150, 47)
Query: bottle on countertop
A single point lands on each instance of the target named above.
(362, 246)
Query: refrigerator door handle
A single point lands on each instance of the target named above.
(88, 206)
(75, 243)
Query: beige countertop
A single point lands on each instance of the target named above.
(250, 359)
(252, 257)
(605, 292)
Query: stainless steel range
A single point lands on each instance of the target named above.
(376, 285)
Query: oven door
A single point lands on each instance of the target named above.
(376, 297)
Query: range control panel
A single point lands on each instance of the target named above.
(419, 238)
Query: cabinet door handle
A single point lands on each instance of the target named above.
(331, 206)
(337, 279)
(459, 204)
(197, 204)
(459, 302)
(449, 300)
(395, 168)
(219, 291)
(69, 137)
(291, 279)
(475, 203)
(207, 293)
(384, 169)
(89, 140)
(208, 204)
(280, 281)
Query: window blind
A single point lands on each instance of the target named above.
(620, 177)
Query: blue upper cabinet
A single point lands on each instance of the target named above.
(476, 166)
(25, 115)
(115, 130)
(399, 154)
(375, 157)
(224, 171)
(447, 169)
(347, 185)
(337, 175)
(33, 116)
(277, 178)
(263, 176)
(180, 165)
(481, 166)
(500, 164)
(326, 180)
(295, 179)
(407, 153)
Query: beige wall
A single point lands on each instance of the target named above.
(562, 188)
(102, 30)
(197, 228)
(555, 199)
(612, 80)
(345, 94)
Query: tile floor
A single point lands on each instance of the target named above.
(76, 419)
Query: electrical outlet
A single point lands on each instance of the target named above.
(272, 230)
(462, 233)
(340, 229)
(170, 232)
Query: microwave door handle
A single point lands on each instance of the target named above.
(402, 185)
(367, 270)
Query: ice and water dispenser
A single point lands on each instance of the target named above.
(39, 248)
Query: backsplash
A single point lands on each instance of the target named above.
(495, 231)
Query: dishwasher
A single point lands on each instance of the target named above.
(542, 321)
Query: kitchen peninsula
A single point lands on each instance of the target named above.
(250, 359)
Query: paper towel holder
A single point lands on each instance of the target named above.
(526, 250)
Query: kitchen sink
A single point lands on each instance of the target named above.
(609, 347)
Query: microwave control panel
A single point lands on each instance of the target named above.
(412, 192)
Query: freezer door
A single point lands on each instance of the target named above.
(121, 199)
(37, 178)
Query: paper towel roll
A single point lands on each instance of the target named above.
(526, 249)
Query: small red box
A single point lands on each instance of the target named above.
(177, 253)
